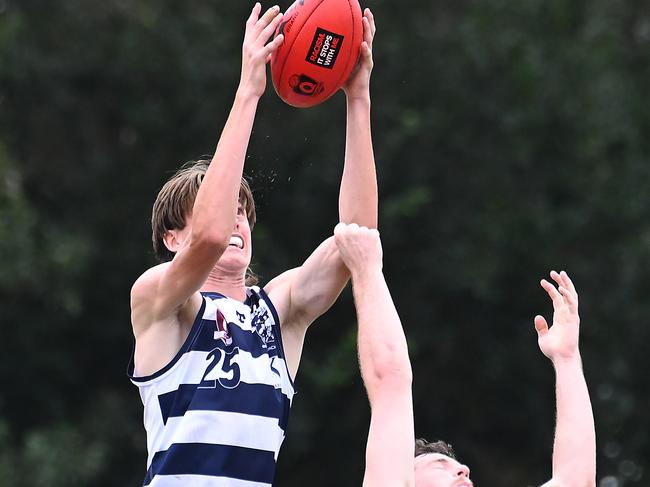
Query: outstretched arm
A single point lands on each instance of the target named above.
(358, 193)
(303, 294)
(316, 284)
(574, 450)
(383, 359)
(159, 294)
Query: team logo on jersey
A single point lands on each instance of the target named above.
(261, 323)
(221, 333)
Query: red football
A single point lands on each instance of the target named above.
(320, 49)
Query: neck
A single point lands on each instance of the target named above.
(228, 284)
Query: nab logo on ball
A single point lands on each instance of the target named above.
(324, 48)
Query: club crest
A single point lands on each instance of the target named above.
(221, 333)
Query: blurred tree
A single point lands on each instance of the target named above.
(511, 138)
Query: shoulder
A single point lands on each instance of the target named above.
(146, 298)
(146, 286)
(282, 282)
(278, 290)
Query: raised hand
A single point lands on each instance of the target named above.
(257, 50)
(359, 247)
(358, 85)
(574, 449)
(560, 341)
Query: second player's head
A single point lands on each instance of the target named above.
(436, 466)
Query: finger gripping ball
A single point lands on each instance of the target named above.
(320, 49)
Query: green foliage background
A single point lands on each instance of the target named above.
(511, 138)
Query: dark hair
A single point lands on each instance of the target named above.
(175, 202)
(424, 447)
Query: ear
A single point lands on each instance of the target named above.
(172, 241)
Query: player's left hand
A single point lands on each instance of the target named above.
(560, 341)
(358, 85)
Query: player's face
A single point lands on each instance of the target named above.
(239, 251)
(438, 470)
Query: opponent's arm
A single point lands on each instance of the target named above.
(574, 450)
(383, 359)
(215, 207)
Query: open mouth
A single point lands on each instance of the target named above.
(236, 241)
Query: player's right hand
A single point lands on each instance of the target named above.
(257, 49)
(359, 247)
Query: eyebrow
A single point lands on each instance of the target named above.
(437, 460)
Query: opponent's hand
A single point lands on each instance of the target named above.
(359, 247)
(560, 341)
(257, 49)
(358, 85)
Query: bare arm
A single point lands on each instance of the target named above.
(383, 359)
(318, 282)
(160, 294)
(574, 450)
(358, 193)
(325, 275)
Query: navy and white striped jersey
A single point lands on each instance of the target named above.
(217, 413)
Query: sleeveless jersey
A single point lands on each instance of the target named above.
(216, 415)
